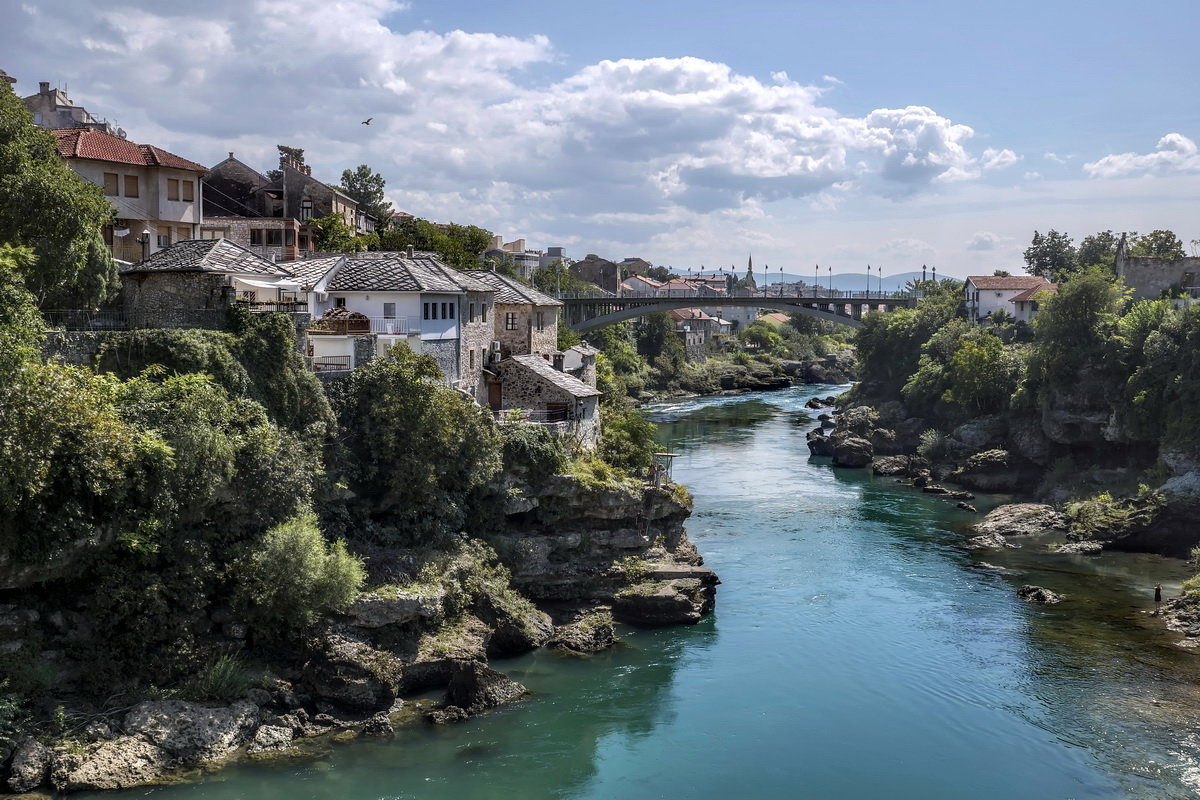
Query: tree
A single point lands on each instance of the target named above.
(761, 334)
(294, 153)
(1099, 249)
(556, 277)
(335, 236)
(1157, 244)
(1002, 273)
(366, 187)
(1074, 325)
(983, 375)
(459, 245)
(661, 274)
(57, 214)
(1051, 256)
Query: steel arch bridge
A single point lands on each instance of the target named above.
(586, 312)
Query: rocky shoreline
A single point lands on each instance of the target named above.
(571, 561)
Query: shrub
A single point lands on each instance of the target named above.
(931, 444)
(1108, 517)
(627, 440)
(293, 575)
(532, 451)
(223, 680)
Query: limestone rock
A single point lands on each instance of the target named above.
(981, 433)
(1085, 547)
(29, 767)
(119, 763)
(190, 732)
(819, 444)
(353, 674)
(851, 451)
(446, 715)
(989, 541)
(898, 465)
(379, 726)
(589, 633)
(269, 738)
(680, 601)
(1021, 519)
(395, 607)
(517, 625)
(476, 687)
(1038, 594)
(995, 471)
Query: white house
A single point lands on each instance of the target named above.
(1025, 305)
(986, 294)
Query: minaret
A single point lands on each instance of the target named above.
(750, 271)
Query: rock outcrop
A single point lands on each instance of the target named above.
(30, 766)
(477, 687)
(589, 633)
(1021, 519)
(669, 602)
(1038, 594)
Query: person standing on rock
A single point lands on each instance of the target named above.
(1157, 598)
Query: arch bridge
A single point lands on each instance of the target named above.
(586, 312)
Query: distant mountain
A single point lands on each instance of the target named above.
(845, 281)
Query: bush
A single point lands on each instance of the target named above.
(931, 444)
(532, 451)
(627, 440)
(223, 680)
(1107, 517)
(287, 580)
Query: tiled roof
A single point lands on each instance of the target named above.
(1007, 281)
(689, 313)
(1029, 293)
(397, 272)
(100, 146)
(584, 349)
(310, 270)
(512, 291)
(544, 370)
(209, 255)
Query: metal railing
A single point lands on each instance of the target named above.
(351, 326)
(811, 292)
(84, 320)
(286, 306)
(331, 363)
(541, 416)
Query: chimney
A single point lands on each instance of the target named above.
(558, 361)
(231, 155)
(410, 251)
(44, 87)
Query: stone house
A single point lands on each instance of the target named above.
(270, 216)
(985, 294)
(580, 361)
(598, 271)
(526, 320)
(533, 390)
(1150, 277)
(156, 195)
(640, 285)
(410, 297)
(194, 283)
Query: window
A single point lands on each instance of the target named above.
(189, 190)
(472, 366)
(452, 305)
(389, 310)
(306, 209)
(164, 238)
(131, 186)
(274, 238)
(483, 310)
(339, 302)
(471, 314)
(444, 315)
(425, 311)
(510, 320)
(256, 236)
(289, 237)
(541, 320)
(112, 183)
(172, 188)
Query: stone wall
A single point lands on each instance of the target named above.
(75, 347)
(1150, 277)
(526, 338)
(445, 353)
(237, 230)
(524, 388)
(176, 300)
(475, 341)
(545, 340)
(695, 344)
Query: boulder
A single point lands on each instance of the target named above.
(1038, 594)
(1087, 547)
(966, 507)
(353, 674)
(851, 451)
(981, 433)
(189, 732)
(379, 726)
(476, 687)
(1021, 519)
(446, 715)
(989, 541)
(29, 767)
(517, 625)
(395, 607)
(995, 471)
(673, 602)
(898, 465)
(819, 444)
(591, 632)
(269, 738)
(119, 763)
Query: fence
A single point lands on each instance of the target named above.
(331, 363)
(350, 326)
(118, 320)
(543, 416)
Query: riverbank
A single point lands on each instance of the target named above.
(572, 559)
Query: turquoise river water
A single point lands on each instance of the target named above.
(857, 651)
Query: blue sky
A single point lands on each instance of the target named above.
(688, 133)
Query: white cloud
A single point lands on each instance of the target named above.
(1033, 176)
(1056, 158)
(992, 159)
(985, 240)
(1173, 153)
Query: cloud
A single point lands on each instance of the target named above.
(1173, 153)
(1056, 158)
(985, 240)
(1033, 176)
(908, 248)
(483, 127)
(992, 160)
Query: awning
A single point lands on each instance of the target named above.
(281, 283)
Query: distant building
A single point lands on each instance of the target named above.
(155, 194)
(641, 285)
(634, 266)
(525, 262)
(53, 110)
(1149, 277)
(1025, 305)
(599, 271)
(554, 255)
(985, 294)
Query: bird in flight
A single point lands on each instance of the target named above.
(367, 121)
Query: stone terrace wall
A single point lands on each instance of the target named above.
(1149, 277)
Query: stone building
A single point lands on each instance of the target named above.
(526, 320)
(1150, 277)
(53, 110)
(599, 271)
(156, 195)
(580, 361)
(532, 390)
(194, 283)
(270, 216)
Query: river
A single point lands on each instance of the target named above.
(856, 652)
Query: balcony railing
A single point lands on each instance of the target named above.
(542, 416)
(84, 320)
(351, 326)
(331, 363)
(286, 306)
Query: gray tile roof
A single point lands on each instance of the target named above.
(209, 255)
(513, 291)
(544, 370)
(398, 272)
(310, 270)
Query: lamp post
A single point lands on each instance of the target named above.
(145, 240)
(831, 281)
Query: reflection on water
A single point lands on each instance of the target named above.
(856, 652)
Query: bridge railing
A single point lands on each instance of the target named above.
(814, 293)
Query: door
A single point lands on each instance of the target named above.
(495, 395)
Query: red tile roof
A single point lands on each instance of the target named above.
(1007, 281)
(689, 313)
(100, 146)
(1029, 293)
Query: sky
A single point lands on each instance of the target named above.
(689, 133)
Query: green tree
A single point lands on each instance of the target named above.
(983, 375)
(334, 235)
(555, 277)
(1074, 326)
(1099, 249)
(1157, 244)
(459, 245)
(661, 274)
(760, 334)
(657, 338)
(1051, 256)
(627, 440)
(57, 214)
(367, 188)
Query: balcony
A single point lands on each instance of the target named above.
(540, 416)
(360, 325)
(286, 306)
(331, 363)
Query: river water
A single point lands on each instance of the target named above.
(857, 651)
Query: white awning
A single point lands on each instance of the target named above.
(279, 283)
